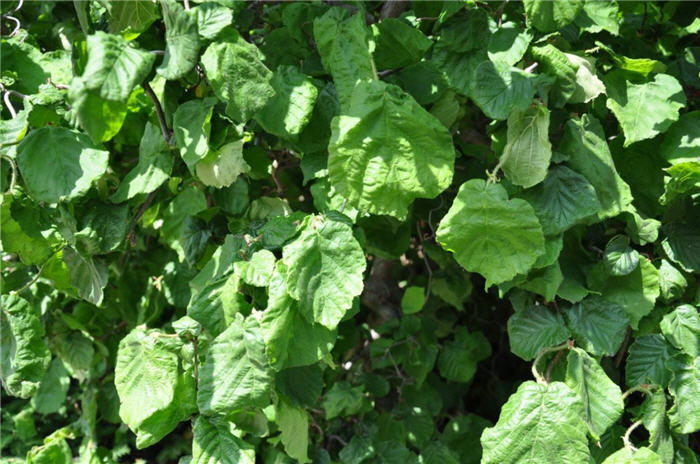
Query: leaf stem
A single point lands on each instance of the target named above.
(13, 173)
(535, 373)
(159, 112)
(626, 436)
(644, 388)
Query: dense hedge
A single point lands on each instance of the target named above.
(357, 232)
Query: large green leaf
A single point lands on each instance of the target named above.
(681, 327)
(533, 329)
(684, 386)
(588, 86)
(599, 16)
(238, 76)
(564, 199)
(635, 292)
(235, 374)
(527, 153)
(154, 393)
(620, 259)
(597, 325)
(602, 398)
(289, 111)
(489, 234)
(386, 150)
(294, 428)
(131, 19)
(681, 141)
(633, 456)
(24, 356)
(87, 275)
(508, 44)
(216, 305)
(672, 281)
(684, 180)
(75, 163)
(549, 16)
(52, 390)
(291, 340)
(214, 443)
(152, 169)
(114, 67)
(25, 230)
(656, 422)
(191, 128)
(555, 63)
(647, 109)
(539, 423)
(222, 167)
(325, 267)
(178, 215)
(648, 357)
(500, 89)
(343, 43)
(682, 243)
(181, 40)
(102, 119)
(585, 144)
(398, 44)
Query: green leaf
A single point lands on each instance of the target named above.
(671, 281)
(342, 400)
(238, 77)
(154, 393)
(87, 275)
(413, 300)
(597, 325)
(294, 427)
(343, 43)
(24, 229)
(102, 229)
(214, 442)
(114, 67)
(398, 44)
(386, 150)
(235, 374)
(212, 19)
(647, 360)
(588, 86)
(619, 258)
(25, 356)
(644, 110)
(153, 168)
(533, 329)
(681, 244)
(51, 394)
(191, 127)
(655, 421)
(216, 305)
(289, 111)
(489, 234)
(635, 292)
(508, 44)
(325, 267)
(684, 181)
(53, 451)
(75, 163)
(684, 387)
(682, 139)
(181, 41)
(555, 63)
(602, 398)
(101, 119)
(258, 270)
(459, 357)
(222, 167)
(598, 16)
(527, 153)
(548, 16)
(564, 199)
(301, 385)
(178, 215)
(131, 19)
(633, 456)
(584, 142)
(681, 327)
(539, 423)
(500, 89)
(643, 67)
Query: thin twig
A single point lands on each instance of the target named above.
(275, 166)
(8, 103)
(531, 67)
(142, 209)
(187, 5)
(18, 25)
(644, 388)
(159, 112)
(342, 208)
(623, 348)
(427, 263)
(13, 172)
